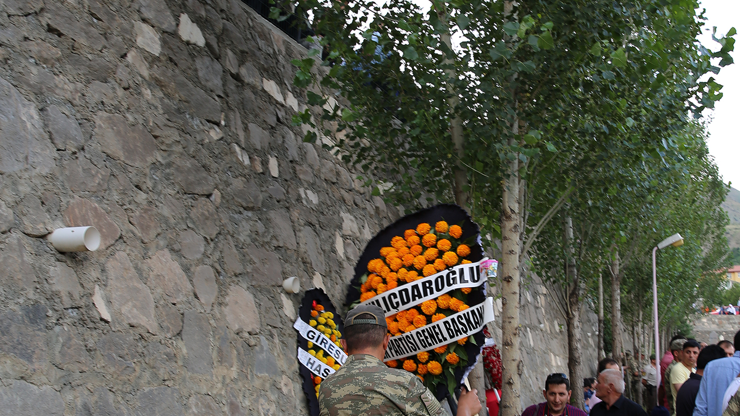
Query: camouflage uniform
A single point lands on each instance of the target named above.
(733, 407)
(667, 384)
(366, 386)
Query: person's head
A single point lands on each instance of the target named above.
(690, 353)
(710, 353)
(652, 359)
(588, 383)
(365, 329)
(702, 345)
(557, 392)
(677, 348)
(728, 347)
(610, 385)
(607, 363)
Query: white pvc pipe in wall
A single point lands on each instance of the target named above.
(75, 239)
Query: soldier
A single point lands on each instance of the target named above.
(364, 385)
(733, 407)
(633, 372)
(677, 351)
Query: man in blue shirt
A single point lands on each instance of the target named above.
(718, 375)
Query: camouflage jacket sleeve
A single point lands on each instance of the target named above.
(733, 407)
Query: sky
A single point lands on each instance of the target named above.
(724, 128)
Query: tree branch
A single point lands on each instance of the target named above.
(537, 229)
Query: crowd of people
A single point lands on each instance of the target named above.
(695, 379)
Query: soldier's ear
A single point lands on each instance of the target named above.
(386, 340)
(344, 345)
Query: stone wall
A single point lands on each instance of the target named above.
(167, 126)
(715, 328)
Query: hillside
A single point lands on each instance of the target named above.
(732, 206)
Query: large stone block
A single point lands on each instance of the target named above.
(83, 176)
(69, 351)
(282, 229)
(23, 143)
(160, 401)
(131, 300)
(146, 222)
(132, 145)
(21, 7)
(34, 219)
(205, 286)
(202, 405)
(100, 402)
(157, 13)
(241, 311)
(191, 245)
(147, 38)
(267, 269)
(246, 194)
(83, 212)
(170, 319)
(7, 219)
(60, 18)
(210, 74)
(192, 177)
(231, 260)
(119, 352)
(22, 399)
(194, 99)
(166, 277)
(204, 218)
(312, 249)
(264, 360)
(64, 282)
(23, 335)
(15, 268)
(196, 335)
(65, 132)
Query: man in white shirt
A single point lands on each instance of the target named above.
(649, 381)
(730, 309)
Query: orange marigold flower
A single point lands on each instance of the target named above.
(392, 363)
(444, 244)
(450, 258)
(455, 231)
(440, 265)
(416, 250)
(444, 301)
(314, 313)
(452, 358)
(428, 270)
(409, 328)
(408, 260)
(367, 295)
(374, 265)
(401, 315)
(385, 272)
(396, 264)
(423, 228)
(374, 280)
(462, 341)
(429, 306)
(392, 284)
(389, 319)
(465, 262)
(422, 356)
(382, 288)
(412, 276)
(429, 240)
(421, 369)
(403, 251)
(434, 368)
(420, 377)
(441, 350)
(402, 324)
(333, 338)
(466, 290)
(441, 226)
(455, 304)
(409, 233)
(391, 256)
(398, 242)
(413, 240)
(391, 277)
(431, 254)
(463, 250)
(385, 251)
(419, 262)
(438, 317)
(402, 273)
(420, 321)
(317, 380)
(393, 327)
(330, 361)
(411, 314)
(319, 308)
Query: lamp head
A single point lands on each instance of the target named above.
(675, 240)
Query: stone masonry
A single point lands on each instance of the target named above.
(167, 126)
(715, 328)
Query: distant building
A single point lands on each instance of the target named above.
(733, 276)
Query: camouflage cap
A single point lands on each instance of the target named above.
(677, 345)
(378, 316)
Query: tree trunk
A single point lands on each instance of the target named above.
(512, 366)
(600, 353)
(575, 366)
(616, 309)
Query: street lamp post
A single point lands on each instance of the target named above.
(676, 241)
